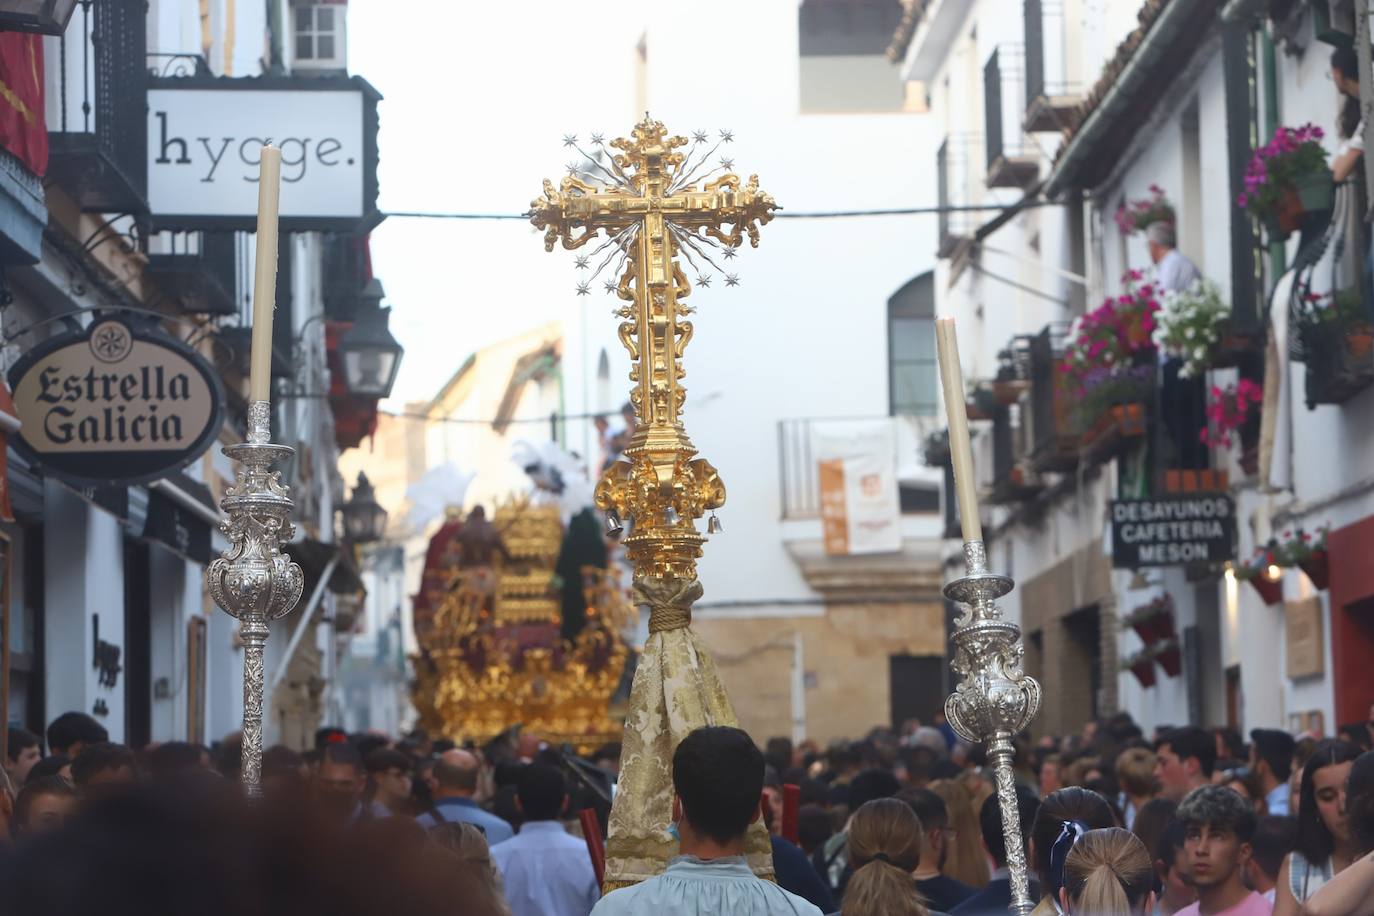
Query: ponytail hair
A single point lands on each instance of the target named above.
(884, 849)
(1108, 873)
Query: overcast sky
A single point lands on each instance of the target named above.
(477, 99)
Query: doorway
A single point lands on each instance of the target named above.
(916, 684)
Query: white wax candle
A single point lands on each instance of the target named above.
(265, 278)
(960, 449)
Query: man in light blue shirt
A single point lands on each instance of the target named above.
(718, 786)
(456, 775)
(547, 872)
(1271, 760)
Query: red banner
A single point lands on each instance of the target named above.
(23, 127)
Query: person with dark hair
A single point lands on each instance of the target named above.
(284, 773)
(1345, 73)
(104, 766)
(1271, 761)
(23, 751)
(1152, 819)
(56, 765)
(1326, 846)
(718, 794)
(339, 782)
(1351, 893)
(942, 892)
(43, 805)
(1107, 873)
(778, 754)
(455, 783)
(388, 772)
(832, 861)
(814, 827)
(1275, 838)
(171, 758)
(1184, 758)
(72, 731)
(996, 897)
(1135, 775)
(1219, 827)
(1063, 815)
(1172, 884)
(546, 870)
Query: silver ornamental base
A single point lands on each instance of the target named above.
(253, 581)
(995, 699)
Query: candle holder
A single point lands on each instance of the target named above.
(995, 699)
(253, 581)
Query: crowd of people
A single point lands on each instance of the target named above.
(1185, 821)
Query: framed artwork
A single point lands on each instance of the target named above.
(195, 679)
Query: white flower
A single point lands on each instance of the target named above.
(1107, 357)
(1200, 354)
(1189, 333)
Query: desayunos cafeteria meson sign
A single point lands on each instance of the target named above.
(114, 404)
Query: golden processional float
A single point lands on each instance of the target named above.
(497, 645)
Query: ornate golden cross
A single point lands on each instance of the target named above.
(651, 208)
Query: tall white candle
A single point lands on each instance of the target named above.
(265, 278)
(960, 449)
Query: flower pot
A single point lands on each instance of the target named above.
(1317, 191)
(1271, 592)
(1317, 568)
(1289, 213)
(1171, 660)
(1153, 629)
(1144, 671)
(1359, 343)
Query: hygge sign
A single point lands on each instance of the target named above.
(205, 138)
(114, 404)
(1173, 531)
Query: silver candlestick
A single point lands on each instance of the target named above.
(253, 581)
(995, 699)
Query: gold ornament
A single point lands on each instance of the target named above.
(650, 212)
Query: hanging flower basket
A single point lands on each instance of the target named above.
(1169, 657)
(1317, 569)
(1288, 180)
(1143, 667)
(1154, 621)
(1271, 592)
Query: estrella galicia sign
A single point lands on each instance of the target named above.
(117, 403)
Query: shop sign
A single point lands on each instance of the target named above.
(1173, 530)
(205, 137)
(114, 404)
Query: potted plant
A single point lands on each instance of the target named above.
(1136, 215)
(1307, 551)
(1338, 344)
(1287, 179)
(1153, 621)
(1228, 410)
(1259, 572)
(1189, 326)
(1114, 399)
(1167, 652)
(1116, 334)
(935, 449)
(1142, 665)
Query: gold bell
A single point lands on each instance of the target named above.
(671, 518)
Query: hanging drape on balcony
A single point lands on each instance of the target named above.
(23, 127)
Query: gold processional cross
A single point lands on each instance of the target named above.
(651, 211)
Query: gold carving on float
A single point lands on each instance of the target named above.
(493, 655)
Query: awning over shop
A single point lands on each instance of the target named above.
(181, 513)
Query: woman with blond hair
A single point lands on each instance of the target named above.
(965, 860)
(467, 844)
(884, 850)
(1108, 873)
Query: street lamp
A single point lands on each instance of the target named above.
(371, 356)
(364, 519)
(48, 17)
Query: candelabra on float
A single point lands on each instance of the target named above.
(995, 699)
(253, 581)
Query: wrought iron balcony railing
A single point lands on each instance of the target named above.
(199, 269)
(1050, 94)
(1010, 160)
(98, 136)
(953, 181)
